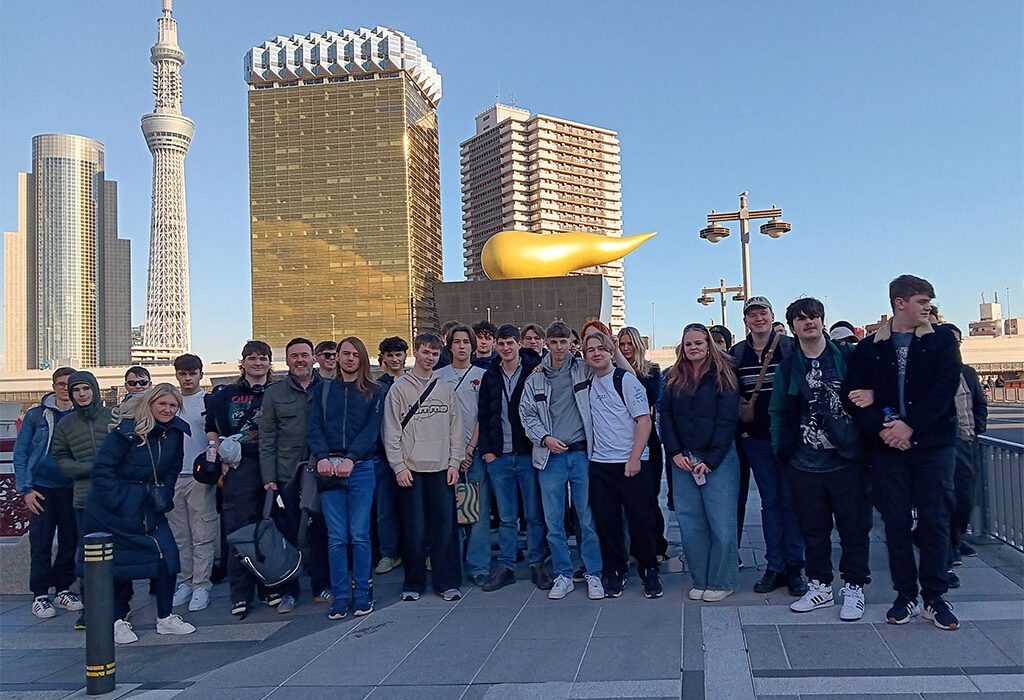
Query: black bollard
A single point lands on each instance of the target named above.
(99, 613)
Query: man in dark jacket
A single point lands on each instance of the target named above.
(817, 442)
(283, 446)
(508, 454)
(393, 353)
(76, 440)
(765, 349)
(903, 380)
(49, 498)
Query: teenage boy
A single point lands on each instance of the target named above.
(533, 338)
(137, 380)
(485, 352)
(815, 439)
(555, 412)
(464, 378)
(619, 472)
(903, 380)
(49, 497)
(283, 447)
(391, 360)
(425, 445)
(232, 422)
(507, 452)
(446, 356)
(76, 439)
(756, 358)
(326, 354)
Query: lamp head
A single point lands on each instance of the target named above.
(775, 228)
(714, 233)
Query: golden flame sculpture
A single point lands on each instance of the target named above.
(519, 254)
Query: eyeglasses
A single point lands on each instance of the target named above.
(329, 355)
(137, 382)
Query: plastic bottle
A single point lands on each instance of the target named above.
(211, 451)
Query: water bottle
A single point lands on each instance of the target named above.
(211, 451)
(889, 415)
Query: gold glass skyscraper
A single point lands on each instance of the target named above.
(344, 186)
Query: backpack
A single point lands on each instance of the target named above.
(264, 550)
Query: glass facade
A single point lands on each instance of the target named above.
(345, 210)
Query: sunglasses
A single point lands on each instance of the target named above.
(695, 327)
(137, 382)
(329, 355)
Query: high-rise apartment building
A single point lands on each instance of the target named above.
(545, 175)
(168, 134)
(72, 300)
(344, 186)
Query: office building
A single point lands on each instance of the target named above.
(344, 186)
(544, 175)
(72, 302)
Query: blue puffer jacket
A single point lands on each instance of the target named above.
(119, 500)
(33, 458)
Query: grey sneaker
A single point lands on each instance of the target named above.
(562, 587)
(818, 595)
(123, 633)
(595, 589)
(173, 624)
(200, 600)
(410, 595)
(853, 603)
(182, 594)
(451, 594)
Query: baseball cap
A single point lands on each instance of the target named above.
(724, 332)
(757, 302)
(841, 333)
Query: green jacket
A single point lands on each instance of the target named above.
(78, 437)
(283, 428)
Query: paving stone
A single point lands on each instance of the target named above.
(661, 615)
(650, 656)
(764, 647)
(307, 692)
(439, 663)
(39, 665)
(835, 646)
(554, 623)
(1006, 695)
(921, 644)
(477, 624)
(1006, 635)
(514, 660)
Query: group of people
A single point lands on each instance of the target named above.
(572, 431)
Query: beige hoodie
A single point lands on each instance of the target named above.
(433, 439)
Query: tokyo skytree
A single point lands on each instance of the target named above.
(168, 135)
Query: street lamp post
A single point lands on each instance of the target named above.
(774, 229)
(706, 299)
(334, 337)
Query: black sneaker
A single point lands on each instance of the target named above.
(953, 579)
(769, 582)
(539, 576)
(795, 581)
(240, 608)
(504, 576)
(903, 610)
(941, 614)
(967, 550)
(614, 585)
(580, 575)
(272, 599)
(652, 584)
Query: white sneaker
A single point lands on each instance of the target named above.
(69, 601)
(200, 600)
(818, 595)
(562, 587)
(595, 589)
(696, 594)
(123, 632)
(182, 594)
(173, 624)
(853, 603)
(42, 607)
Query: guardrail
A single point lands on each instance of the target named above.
(1006, 394)
(1000, 511)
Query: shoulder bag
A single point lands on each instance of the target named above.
(747, 405)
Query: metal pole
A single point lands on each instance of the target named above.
(723, 303)
(99, 613)
(745, 244)
(654, 337)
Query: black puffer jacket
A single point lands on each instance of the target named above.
(703, 421)
(492, 388)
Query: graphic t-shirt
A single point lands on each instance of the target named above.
(467, 393)
(613, 417)
(815, 452)
(901, 341)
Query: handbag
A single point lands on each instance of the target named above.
(160, 500)
(747, 405)
(264, 551)
(467, 501)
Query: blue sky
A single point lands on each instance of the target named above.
(889, 133)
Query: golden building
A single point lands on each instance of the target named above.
(344, 185)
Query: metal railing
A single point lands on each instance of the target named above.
(1006, 394)
(1000, 511)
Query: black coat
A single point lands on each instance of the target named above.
(703, 421)
(119, 500)
(932, 378)
(492, 388)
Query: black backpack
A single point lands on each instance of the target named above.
(264, 550)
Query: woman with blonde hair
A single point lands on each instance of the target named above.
(699, 411)
(133, 476)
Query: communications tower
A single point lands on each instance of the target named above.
(168, 134)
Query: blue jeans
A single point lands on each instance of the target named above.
(782, 541)
(388, 520)
(347, 514)
(477, 540)
(571, 468)
(707, 523)
(511, 474)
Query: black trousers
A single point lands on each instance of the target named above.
(741, 505)
(47, 571)
(920, 478)
(963, 489)
(428, 518)
(164, 585)
(243, 504)
(818, 497)
(611, 492)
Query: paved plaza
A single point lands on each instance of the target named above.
(515, 643)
